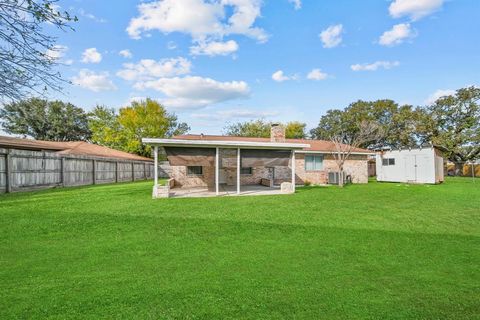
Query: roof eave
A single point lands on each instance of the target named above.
(225, 144)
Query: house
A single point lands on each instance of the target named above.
(79, 148)
(424, 165)
(223, 163)
(27, 164)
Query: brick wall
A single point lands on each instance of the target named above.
(356, 166)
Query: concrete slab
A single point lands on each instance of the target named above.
(246, 190)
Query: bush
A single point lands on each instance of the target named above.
(307, 183)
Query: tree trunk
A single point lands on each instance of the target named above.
(459, 169)
(340, 178)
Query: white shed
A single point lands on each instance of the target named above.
(423, 165)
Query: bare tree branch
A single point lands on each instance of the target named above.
(345, 143)
(25, 64)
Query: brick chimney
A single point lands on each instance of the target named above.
(277, 133)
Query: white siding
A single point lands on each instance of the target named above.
(411, 166)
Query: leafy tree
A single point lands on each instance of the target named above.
(261, 129)
(254, 128)
(45, 120)
(104, 126)
(295, 130)
(397, 123)
(27, 54)
(454, 125)
(126, 129)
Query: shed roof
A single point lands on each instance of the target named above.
(68, 147)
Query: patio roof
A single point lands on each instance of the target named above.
(225, 144)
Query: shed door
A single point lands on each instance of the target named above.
(411, 168)
(423, 168)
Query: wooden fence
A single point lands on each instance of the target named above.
(24, 170)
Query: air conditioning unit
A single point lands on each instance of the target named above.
(333, 178)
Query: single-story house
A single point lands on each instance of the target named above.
(75, 148)
(27, 164)
(213, 161)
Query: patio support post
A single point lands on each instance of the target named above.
(293, 170)
(216, 170)
(155, 169)
(238, 171)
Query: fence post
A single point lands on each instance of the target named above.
(133, 171)
(116, 171)
(94, 173)
(63, 172)
(144, 171)
(8, 171)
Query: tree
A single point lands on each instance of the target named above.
(254, 128)
(345, 142)
(126, 129)
(454, 125)
(104, 126)
(27, 54)
(261, 129)
(398, 123)
(295, 130)
(45, 120)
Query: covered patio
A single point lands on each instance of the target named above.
(216, 168)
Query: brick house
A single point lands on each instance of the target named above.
(210, 160)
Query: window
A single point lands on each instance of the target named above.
(388, 162)
(313, 162)
(194, 170)
(246, 170)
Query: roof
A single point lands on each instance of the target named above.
(68, 147)
(209, 143)
(314, 145)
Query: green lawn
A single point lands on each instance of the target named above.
(376, 251)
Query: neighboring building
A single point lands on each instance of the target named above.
(27, 164)
(79, 148)
(423, 165)
(262, 160)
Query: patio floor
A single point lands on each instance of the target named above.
(224, 190)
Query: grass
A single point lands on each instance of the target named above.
(376, 251)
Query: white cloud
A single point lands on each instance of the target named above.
(317, 74)
(415, 9)
(225, 115)
(199, 18)
(56, 52)
(195, 92)
(125, 53)
(397, 35)
(375, 65)
(91, 55)
(439, 94)
(88, 15)
(279, 76)
(332, 36)
(297, 4)
(68, 62)
(148, 69)
(214, 48)
(94, 81)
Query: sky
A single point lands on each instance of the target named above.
(215, 62)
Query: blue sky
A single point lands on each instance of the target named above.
(218, 61)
